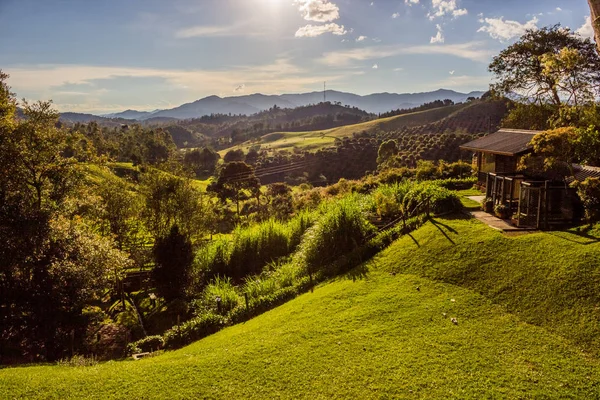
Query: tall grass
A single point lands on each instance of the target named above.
(341, 229)
(221, 296)
(251, 249)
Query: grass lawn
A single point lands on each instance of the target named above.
(387, 334)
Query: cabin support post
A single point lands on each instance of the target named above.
(546, 216)
(519, 206)
(539, 207)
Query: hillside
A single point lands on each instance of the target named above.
(385, 331)
(314, 140)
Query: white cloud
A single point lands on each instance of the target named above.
(475, 51)
(503, 30)
(61, 82)
(317, 30)
(411, 2)
(398, 69)
(446, 7)
(318, 10)
(376, 40)
(439, 37)
(586, 30)
(205, 31)
(395, 15)
(559, 9)
(361, 38)
(375, 66)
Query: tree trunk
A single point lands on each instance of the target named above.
(595, 13)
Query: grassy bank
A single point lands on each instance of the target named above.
(382, 332)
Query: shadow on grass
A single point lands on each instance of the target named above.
(358, 273)
(579, 237)
(440, 226)
(414, 240)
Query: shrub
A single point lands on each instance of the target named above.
(440, 200)
(426, 170)
(194, 329)
(147, 344)
(589, 193)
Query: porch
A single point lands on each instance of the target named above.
(532, 204)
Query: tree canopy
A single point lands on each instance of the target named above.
(549, 65)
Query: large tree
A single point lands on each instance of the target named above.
(52, 264)
(235, 178)
(549, 65)
(595, 16)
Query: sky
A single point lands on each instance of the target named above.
(112, 55)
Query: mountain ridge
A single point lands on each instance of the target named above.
(253, 103)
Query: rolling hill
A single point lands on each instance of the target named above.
(314, 140)
(388, 331)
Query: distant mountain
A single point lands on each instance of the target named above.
(131, 114)
(251, 104)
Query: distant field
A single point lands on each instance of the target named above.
(315, 140)
(387, 332)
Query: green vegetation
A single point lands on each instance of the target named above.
(394, 330)
(314, 140)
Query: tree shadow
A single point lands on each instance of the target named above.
(413, 239)
(439, 225)
(578, 237)
(358, 273)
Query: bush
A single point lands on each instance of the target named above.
(440, 200)
(194, 329)
(147, 344)
(589, 193)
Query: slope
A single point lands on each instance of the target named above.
(314, 140)
(381, 335)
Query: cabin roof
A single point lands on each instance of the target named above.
(508, 142)
(582, 172)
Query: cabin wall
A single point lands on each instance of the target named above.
(497, 163)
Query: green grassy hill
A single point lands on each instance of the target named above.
(525, 307)
(314, 140)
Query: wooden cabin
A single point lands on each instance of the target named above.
(533, 202)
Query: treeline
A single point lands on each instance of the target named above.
(424, 107)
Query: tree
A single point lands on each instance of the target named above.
(280, 200)
(234, 155)
(201, 161)
(173, 255)
(595, 17)
(171, 200)
(538, 67)
(387, 150)
(52, 264)
(234, 178)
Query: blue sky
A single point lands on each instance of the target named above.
(112, 55)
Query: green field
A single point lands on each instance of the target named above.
(527, 324)
(315, 140)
